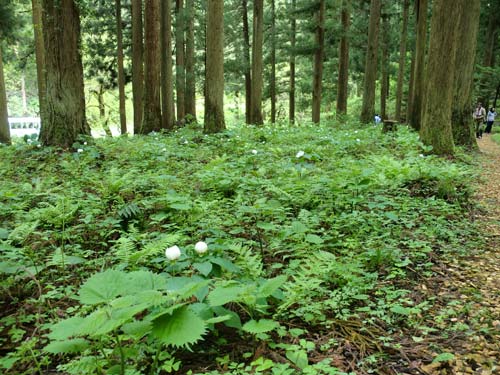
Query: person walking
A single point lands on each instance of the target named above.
(490, 119)
(479, 117)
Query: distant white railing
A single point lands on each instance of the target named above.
(20, 126)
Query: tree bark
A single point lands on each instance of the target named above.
(384, 80)
(402, 59)
(121, 74)
(419, 69)
(409, 100)
(368, 107)
(342, 85)
(436, 128)
(291, 105)
(214, 98)
(4, 115)
(190, 61)
(257, 79)
(137, 64)
(180, 69)
(272, 87)
(64, 119)
(489, 54)
(39, 52)
(152, 118)
(318, 62)
(246, 56)
(102, 111)
(167, 83)
(462, 122)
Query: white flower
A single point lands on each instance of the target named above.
(79, 150)
(355, 132)
(300, 154)
(254, 152)
(186, 142)
(164, 149)
(358, 140)
(85, 143)
(201, 247)
(173, 253)
(421, 155)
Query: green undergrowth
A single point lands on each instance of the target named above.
(306, 227)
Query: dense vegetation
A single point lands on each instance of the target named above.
(317, 238)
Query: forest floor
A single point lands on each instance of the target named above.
(468, 291)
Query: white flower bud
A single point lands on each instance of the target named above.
(300, 154)
(254, 152)
(173, 253)
(201, 247)
(79, 150)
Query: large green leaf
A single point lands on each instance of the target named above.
(225, 294)
(270, 286)
(67, 346)
(66, 328)
(260, 326)
(181, 328)
(104, 287)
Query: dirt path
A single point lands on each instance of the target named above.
(471, 290)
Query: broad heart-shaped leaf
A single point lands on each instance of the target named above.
(145, 280)
(261, 326)
(182, 328)
(66, 328)
(268, 287)
(67, 346)
(186, 287)
(315, 239)
(103, 287)
(298, 357)
(137, 329)
(225, 294)
(204, 267)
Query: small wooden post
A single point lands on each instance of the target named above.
(389, 126)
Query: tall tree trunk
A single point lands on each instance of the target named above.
(342, 85)
(246, 56)
(436, 129)
(190, 61)
(489, 53)
(121, 74)
(272, 88)
(4, 115)
(64, 120)
(23, 94)
(214, 98)
(409, 102)
(384, 80)
(462, 123)
(318, 62)
(102, 111)
(39, 52)
(151, 119)
(180, 70)
(368, 108)
(419, 69)
(291, 105)
(257, 63)
(137, 64)
(402, 59)
(167, 80)
(497, 93)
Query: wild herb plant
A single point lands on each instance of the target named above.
(307, 226)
